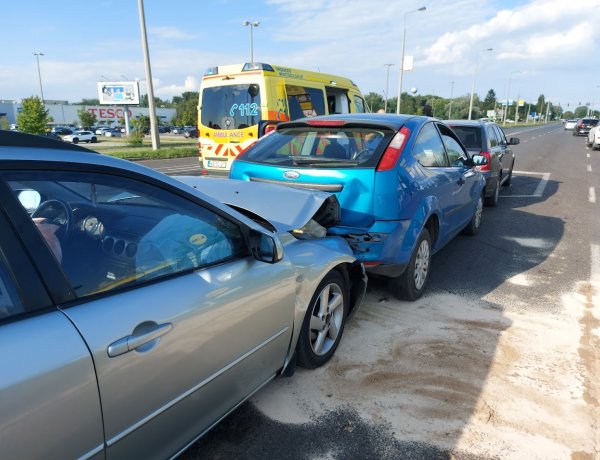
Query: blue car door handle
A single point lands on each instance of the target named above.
(133, 341)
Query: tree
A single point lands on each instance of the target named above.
(89, 102)
(87, 119)
(33, 117)
(375, 102)
(187, 109)
(4, 123)
(489, 103)
(540, 105)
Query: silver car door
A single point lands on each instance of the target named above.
(182, 322)
(49, 402)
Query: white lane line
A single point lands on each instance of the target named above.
(587, 154)
(592, 195)
(589, 168)
(542, 185)
(539, 191)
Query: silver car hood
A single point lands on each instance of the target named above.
(286, 208)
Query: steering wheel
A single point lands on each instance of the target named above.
(362, 155)
(59, 213)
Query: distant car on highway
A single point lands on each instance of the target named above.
(488, 139)
(584, 125)
(570, 124)
(81, 136)
(593, 139)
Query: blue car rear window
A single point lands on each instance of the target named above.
(321, 147)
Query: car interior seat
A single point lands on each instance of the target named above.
(334, 150)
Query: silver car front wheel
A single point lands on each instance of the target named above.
(324, 322)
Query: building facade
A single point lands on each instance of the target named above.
(63, 113)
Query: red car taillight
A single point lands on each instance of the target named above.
(394, 150)
(488, 166)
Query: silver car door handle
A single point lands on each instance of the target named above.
(131, 342)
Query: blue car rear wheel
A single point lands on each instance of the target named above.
(411, 284)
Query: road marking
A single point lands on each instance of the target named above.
(539, 191)
(589, 168)
(587, 154)
(592, 195)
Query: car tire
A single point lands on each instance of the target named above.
(94, 140)
(492, 201)
(474, 224)
(411, 284)
(75, 140)
(324, 322)
(594, 146)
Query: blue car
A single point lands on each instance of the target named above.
(405, 185)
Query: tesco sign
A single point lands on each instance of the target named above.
(104, 114)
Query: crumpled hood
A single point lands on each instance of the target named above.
(287, 208)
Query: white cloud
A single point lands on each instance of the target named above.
(191, 83)
(170, 33)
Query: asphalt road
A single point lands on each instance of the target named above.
(544, 231)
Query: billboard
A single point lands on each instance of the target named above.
(119, 92)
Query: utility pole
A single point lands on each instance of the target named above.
(37, 57)
(151, 106)
(387, 85)
(450, 105)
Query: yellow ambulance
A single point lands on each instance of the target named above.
(234, 99)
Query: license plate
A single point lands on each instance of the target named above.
(216, 164)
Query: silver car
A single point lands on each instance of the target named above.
(137, 311)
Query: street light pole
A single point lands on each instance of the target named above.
(252, 25)
(450, 105)
(387, 85)
(151, 107)
(398, 100)
(474, 77)
(37, 57)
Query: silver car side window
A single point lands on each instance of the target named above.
(10, 304)
(111, 232)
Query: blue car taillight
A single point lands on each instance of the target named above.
(394, 150)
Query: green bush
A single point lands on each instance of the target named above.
(135, 139)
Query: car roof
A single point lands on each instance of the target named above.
(17, 146)
(468, 122)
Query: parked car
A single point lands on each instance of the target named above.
(488, 139)
(584, 125)
(62, 131)
(593, 139)
(164, 129)
(190, 132)
(405, 184)
(103, 130)
(570, 124)
(116, 132)
(80, 136)
(51, 135)
(177, 130)
(140, 311)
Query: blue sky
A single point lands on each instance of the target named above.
(539, 46)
